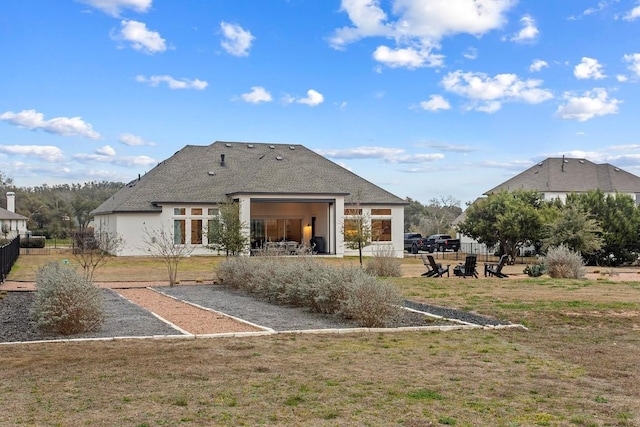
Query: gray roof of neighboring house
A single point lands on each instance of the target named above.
(5, 214)
(557, 174)
(195, 175)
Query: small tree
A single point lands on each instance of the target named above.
(575, 229)
(357, 230)
(160, 244)
(92, 249)
(225, 232)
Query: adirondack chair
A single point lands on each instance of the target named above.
(496, 269)
(435, 268)
(468, 268)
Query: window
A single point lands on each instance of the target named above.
(179, 211)
(196, 231)
(196, 211)
(351, 228)
(381, 230)
(352, 211)
(213, 211)
(380, 211)
(179, 230)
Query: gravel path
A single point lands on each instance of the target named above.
(126, 319)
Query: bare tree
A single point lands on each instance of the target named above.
(93, 249)
(357, 229)
(161, 244)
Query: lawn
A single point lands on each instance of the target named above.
(577, 364)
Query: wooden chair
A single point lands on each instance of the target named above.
(434, 269)
(468, 268)
(496, 269)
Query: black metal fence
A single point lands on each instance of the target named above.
(8, 255)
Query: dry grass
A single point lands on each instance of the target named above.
(577, 365)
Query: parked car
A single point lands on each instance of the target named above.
(413, 242)
(441, 243)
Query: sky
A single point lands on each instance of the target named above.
(428, 99)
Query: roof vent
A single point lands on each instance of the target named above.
(222, 160)
(272, 146)
(227, 145)
(291, 147)
(279, 157)
(211, 173)
(581, 162)
(250, 146)
(616, 169)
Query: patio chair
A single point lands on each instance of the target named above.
(468, 268)
(496, 269)
(434, 269)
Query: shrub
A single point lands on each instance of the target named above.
(384, 263)
(32, 242)
(66, 303)
(535, 270)
(306, 282)
(562, 262)
(371, 303)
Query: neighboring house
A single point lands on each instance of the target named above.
(11, 222)
(555, 177)
(285, 192)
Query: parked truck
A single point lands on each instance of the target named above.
(441, 243)
(413, 242)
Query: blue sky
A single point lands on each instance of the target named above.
(425, 98)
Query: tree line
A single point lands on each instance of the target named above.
(604, 228)
(54, 210)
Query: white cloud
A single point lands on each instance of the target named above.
(140, 37)
(451, 147)
(407, 57)
(622, 78)
(257, 95)
(634, 63)
(418, 26)
(47, 153)
(388, 155)
(313, 98)
(107, 150)
(488, 93)
(591, 104)
(133, 140)
(435, 103)
(529, 31)
(588, 68)
(602, 5)
(538, 65)
(126, 161)
(236, 40)
(113, 7)
(65, 126)
(172, 82)
(471, 53)
(633, 14)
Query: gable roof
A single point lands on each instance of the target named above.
(197, 174)
(559, 174)
(5, 214)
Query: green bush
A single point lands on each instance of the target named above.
(305, 282)
(32, 242)
(535, 270)
(384, 263)
(66, 303)
(562, 262)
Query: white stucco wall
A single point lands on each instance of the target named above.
(397, 232)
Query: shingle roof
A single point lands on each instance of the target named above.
(571, 175)
(5, 214)
(195, 175)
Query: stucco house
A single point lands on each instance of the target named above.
(10, 222)
(285, 192)
(555, 177)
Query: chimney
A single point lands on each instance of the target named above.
(221, 159)
(11, 201)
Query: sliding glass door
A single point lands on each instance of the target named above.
(275, 230)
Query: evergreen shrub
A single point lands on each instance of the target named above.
(66, 303)
(348, 291)
(562, 262)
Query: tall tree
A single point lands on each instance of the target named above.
(575, 229)
(225, 233)
(510, 219)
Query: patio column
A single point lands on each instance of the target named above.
(244, 203)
